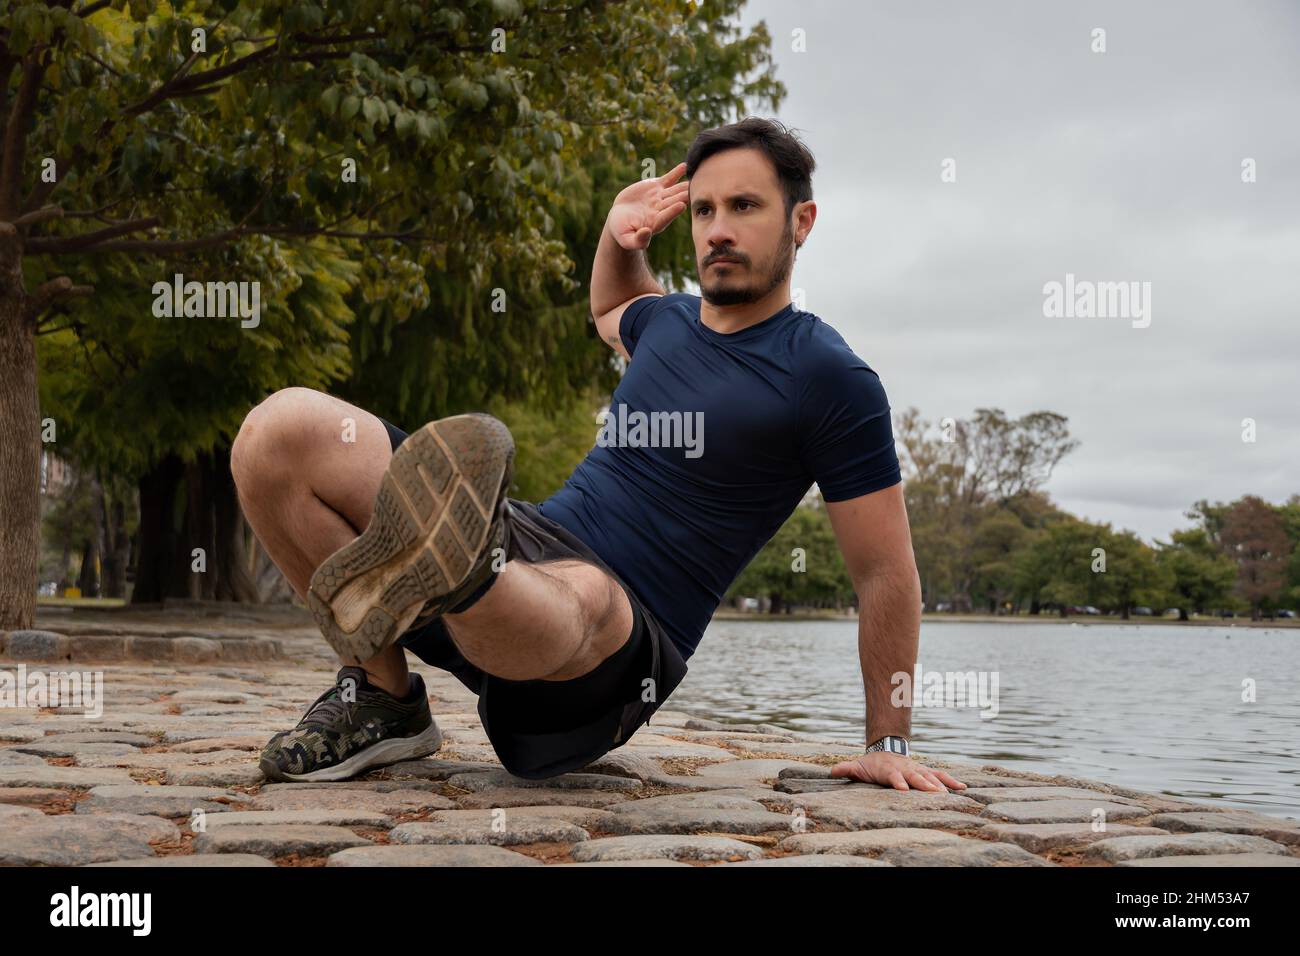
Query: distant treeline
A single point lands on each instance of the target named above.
(987, 537)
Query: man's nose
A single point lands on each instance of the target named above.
(720, 235)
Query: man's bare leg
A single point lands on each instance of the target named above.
(567, 617)
(306, 492)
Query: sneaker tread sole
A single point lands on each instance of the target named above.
(430, 526)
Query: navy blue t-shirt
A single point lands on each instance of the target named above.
(776, 406)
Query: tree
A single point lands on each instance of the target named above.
(1290, 513)
(1058, 566)
(800, 565)
(1133, 572)
(433, 136)
(548, 445)
(1254, 536)
(100, 387)
(1202, 576)
(958, 474)
(68, 520)
(520, 330)
(998, 536)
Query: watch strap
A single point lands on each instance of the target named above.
(891, 743)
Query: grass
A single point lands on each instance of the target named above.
(80, 602)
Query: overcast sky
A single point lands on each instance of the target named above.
(1116, 166)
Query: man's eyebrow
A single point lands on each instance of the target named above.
(748, 197)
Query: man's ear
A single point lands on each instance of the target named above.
(806, 204)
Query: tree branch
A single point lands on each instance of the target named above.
(96, 213)
(162, 247)
(49, 293)
(111, 69)
(165, 247)
(6, 69)
(15, 139)
(39, 215)
(93, 8)
(339, 234)
(203, 78)
(60, 245)
(41, 191)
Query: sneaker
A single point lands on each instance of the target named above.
(438, 519)
(340, 737)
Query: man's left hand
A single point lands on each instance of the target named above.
(895, 770)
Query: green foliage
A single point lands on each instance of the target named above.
(513, 322)
(801, 564)
(548, 445)
(131, 387)
(484, 136)
(1202, 576)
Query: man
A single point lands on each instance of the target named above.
(572, 619)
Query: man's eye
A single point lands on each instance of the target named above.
(744, 202)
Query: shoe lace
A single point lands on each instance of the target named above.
(327, 709)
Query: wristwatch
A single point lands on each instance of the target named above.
(891, 743)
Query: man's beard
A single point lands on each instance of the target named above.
(727, 291)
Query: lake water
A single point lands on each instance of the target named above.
(1158, 708)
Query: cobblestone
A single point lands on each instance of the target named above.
(187, 711)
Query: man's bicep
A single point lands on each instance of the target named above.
(615, 325)
(873, 534)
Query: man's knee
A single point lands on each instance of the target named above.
(605, 611)
(270, 433)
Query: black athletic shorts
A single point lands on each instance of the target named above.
(542, 728)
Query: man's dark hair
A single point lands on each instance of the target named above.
(792, 159)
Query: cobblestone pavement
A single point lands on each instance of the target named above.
(168, 776)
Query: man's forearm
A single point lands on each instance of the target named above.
(889, 629)
(619, 274)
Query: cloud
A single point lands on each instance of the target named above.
(1122, 166)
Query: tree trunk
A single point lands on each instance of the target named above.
(114, 548)
(88, 579)
(1182, 614)
(20, 447)
(133, 550)
(91, 550)
(157, 574)
(198, 531)
(104, 530)
(65, 568)
(234, 580)
(209, 518)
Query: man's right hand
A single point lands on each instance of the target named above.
(644, 209)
